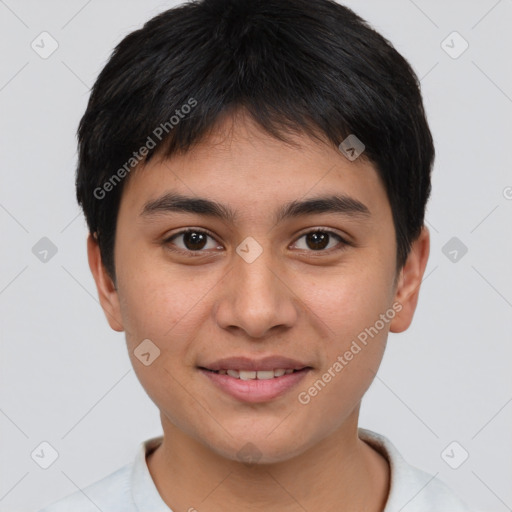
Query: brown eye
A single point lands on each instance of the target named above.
(192, 240)
(319, 240)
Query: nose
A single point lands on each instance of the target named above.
(256, 298)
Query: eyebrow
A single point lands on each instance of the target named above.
(174, 202)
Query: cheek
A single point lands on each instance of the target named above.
(160, 307)
(350, 305)
(352, 352)
(348, 301)
(161, 301)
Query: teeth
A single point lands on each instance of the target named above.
(247, 375)
(265, 374)
(252, 375)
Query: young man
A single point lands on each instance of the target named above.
(254, 176)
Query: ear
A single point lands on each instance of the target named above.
(107, 292)
(409, 281)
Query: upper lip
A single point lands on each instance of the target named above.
(248, 364)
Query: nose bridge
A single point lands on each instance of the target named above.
(254, 298)
(255, 276)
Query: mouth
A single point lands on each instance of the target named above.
(255, 374)
(254, 381)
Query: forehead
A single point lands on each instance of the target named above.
(242, 167)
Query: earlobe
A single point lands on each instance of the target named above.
(409, 281)
(107, 292)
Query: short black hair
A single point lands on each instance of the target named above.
(295, 66)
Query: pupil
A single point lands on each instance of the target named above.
(317, 240)
(194, 240)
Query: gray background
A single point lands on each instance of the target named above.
(65, 376)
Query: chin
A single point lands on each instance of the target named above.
(260, 447)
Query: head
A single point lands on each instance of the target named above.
(225, 118)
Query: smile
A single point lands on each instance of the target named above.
(255, 386)
(254, 374)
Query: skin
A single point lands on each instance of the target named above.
(291, 301)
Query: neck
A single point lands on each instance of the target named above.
(339, 473)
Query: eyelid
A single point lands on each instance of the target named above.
(194, 230)
(323, 229)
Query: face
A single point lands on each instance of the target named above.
(257, 284)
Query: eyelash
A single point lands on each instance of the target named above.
(201, 252)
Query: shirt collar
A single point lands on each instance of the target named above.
(144, 492)
(147, 499)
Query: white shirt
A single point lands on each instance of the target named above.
(131, 488)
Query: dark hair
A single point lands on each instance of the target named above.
(306, 66)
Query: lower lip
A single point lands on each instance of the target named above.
(255, 390)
